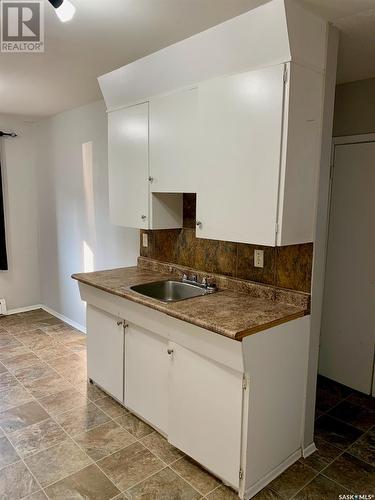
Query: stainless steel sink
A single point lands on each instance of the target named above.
(172, 290)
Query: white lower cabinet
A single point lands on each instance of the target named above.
(146, 376)
(105, 351)
(237, 408)
(194, 401)
(205, 412)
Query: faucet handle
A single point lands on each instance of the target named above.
(184, 277)
(211, 284)
(193, 277)
(204, 281)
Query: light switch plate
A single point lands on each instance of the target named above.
(258, 258)
(145, 240)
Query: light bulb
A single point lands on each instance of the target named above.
(66, 11)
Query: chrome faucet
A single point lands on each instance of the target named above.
(205, 283)
(193, 280)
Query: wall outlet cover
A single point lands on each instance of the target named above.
(258, 258)
(145, 240)
(3, 306)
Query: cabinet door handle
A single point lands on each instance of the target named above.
(144, 217)
(120, 322)
(170, 351)
(198, 224)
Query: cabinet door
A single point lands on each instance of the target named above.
(146, 376)
(128, 166)
(105, 351)
(173, 142)
(205, 412)
(301, 155)
(240, 120)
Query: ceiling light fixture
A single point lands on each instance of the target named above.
(65, 10)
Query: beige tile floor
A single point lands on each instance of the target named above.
(61, 438)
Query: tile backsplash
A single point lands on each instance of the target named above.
(286, 267)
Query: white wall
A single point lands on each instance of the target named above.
(354, 108)
(20, 285)
(75, 232)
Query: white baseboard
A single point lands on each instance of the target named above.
(309, 450)
(23, 309)
(69, 321)
(262, 483)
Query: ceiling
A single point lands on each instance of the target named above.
(107, 34)
(356, 21)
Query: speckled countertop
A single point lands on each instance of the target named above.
(228, 312)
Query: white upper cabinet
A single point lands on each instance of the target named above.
(173, 138)
(240, 120)
(130, 201)
(300, 159)
(243, 138)
(259, 156)
(247, 144)
(241, 133)
(128, 166)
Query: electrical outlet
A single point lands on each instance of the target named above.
(145, 240)
(3, 306)
(258, 258)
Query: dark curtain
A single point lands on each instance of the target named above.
(3, 245)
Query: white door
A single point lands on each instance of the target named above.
(348, 323)
(240, 120)
(146, 376)
(105, 351)
(173, 142)
(128, 166)
(205, 412)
